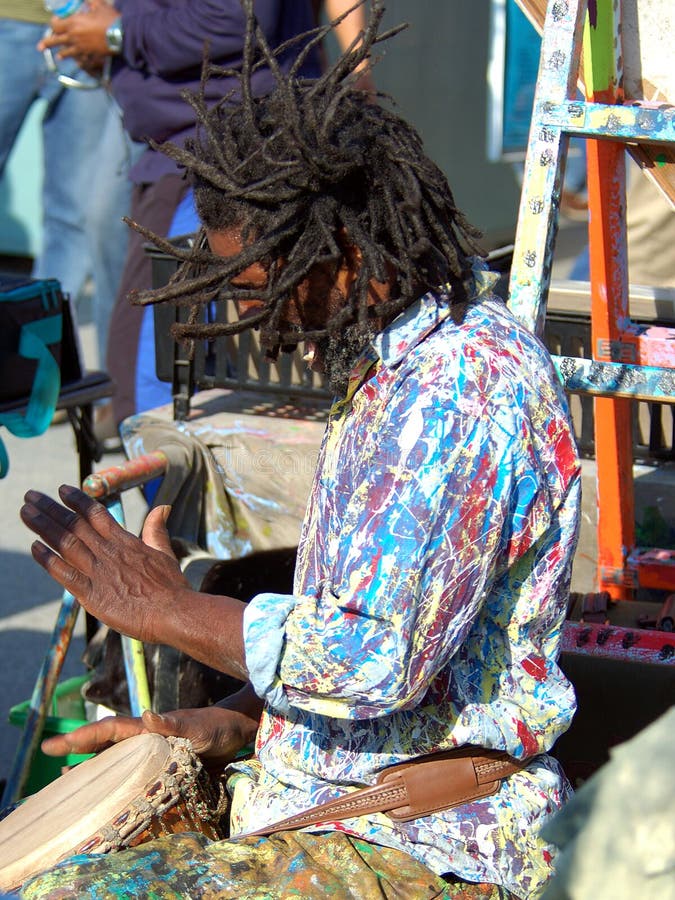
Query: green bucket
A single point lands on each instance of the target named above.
(66, 714)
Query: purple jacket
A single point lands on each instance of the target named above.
(162, 55)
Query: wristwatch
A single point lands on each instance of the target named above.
(114, 36)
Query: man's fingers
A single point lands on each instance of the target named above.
(93, 737)
(171, 724)
(93, 512)
(51, 39)
(58, 533)
(66, 53)
(69, 578)
(161, 724)
(49, 508)
(155, 533)
(214, 733)
(93, 522)
(79, 530)
(99, 735)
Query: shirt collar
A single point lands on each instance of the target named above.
(421, 317)
(412, 325)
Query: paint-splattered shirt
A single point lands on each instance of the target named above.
(430, 592)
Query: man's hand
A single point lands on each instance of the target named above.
(82, 35)
(126, 582)
(133, 585)
(216, 733)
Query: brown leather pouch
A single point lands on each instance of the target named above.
(443, 780)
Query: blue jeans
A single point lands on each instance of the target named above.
(74, 125)
(109, 200)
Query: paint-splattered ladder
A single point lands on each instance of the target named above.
(630, 362)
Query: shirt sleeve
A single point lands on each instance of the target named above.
(426, 507)
(166, 41)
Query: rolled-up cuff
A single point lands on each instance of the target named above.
(264, 637)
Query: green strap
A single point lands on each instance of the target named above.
(34, 344)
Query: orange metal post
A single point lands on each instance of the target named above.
(609, 304)
(613, 419)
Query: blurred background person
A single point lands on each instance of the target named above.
(78, 123)
(157, 53)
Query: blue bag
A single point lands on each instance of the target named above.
(31, 329)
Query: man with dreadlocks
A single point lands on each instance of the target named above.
(434, 563)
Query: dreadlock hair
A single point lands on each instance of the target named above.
(296, 170)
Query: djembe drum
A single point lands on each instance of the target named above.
(135, 791)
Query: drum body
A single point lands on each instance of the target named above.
(133, 792)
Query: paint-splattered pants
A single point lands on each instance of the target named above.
(285, 865)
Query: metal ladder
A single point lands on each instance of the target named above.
(630, 362)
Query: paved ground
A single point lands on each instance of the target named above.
(29, 600)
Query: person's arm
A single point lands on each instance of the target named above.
(171, 39)
(163, 41)
(135, 586)
(348, 31)
(217, 733)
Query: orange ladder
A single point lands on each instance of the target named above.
(630, 362)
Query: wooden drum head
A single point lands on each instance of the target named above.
(108, 802)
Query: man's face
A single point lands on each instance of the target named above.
(309, 307)
(228, 244)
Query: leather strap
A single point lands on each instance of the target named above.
(410, 790)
